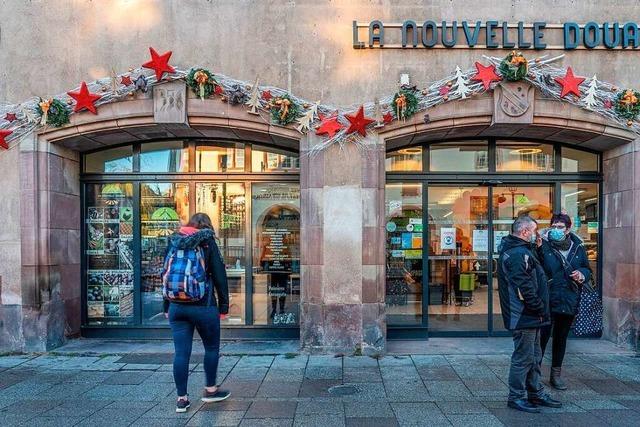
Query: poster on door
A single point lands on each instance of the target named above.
(447, 238)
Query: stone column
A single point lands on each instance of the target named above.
(342, 244)
(621, 245)
(43, 292)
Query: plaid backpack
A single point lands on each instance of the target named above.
(184, 276)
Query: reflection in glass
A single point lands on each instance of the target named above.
(163, 208)
(404, 231)
(275, 218)
(524, 157)
(579, 161)
(461, 156)
(458, 246)
(405, 160)
(112, 160)
(508, 204)
(271, 160)
(225, 204)
(109, 254)
(227, 157)
(580, 201)
(167, 156)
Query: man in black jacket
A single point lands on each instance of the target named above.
(524, 301)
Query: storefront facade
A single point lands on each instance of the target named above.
(345, 247)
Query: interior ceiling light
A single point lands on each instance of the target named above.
(410, 151)
(526, 151)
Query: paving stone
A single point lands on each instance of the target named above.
(512, 417)
(266, 422)
(610, 386)
(227, 405)
(462, 408)
(271, 409)
(366, 392)
(411, 391)
(32, 407)
(129, 377)
(25, 390)
(241, 388)
(438, 373)
(88, 377)
(12, 361)
(284, 375)
(447, 388)
(314, 407)
(53, 421)
(599, 404)
(324, 361)
(218, 418)
(358, 410)
(631, 404)
(110, 391)
(318, 420)
(476, 420)
(283, 361)
(362, 375)
(419, 413)
(166, 408)
(276, 389)
(360, 362)
(141, 367)
(159, 422)
(617, 418)
(575, 420)
(323, 372)
(113, 416)
(368, 422)
(317, 388)
(396, 373)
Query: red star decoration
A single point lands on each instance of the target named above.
(266, 95)
(84, 99)
(3, 134)
(607, 104)
(444, 90)
(329, 126)
(218, 90)
(10, 117)
(358, 122)
(570, 83)
(486, 75)
(159, 63)
(387, 117)
(126, 80)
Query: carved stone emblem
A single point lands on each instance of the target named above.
(170, 102)
(513, 102)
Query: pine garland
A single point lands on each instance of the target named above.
(201, 81)
(58, 114)
(514, 67)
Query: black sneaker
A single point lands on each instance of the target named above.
(182, 405)
(217, 396)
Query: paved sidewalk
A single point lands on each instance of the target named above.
(136, 388)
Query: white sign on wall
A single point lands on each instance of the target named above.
(447, 238)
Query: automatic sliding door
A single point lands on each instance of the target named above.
(509, 202)
(458, 246)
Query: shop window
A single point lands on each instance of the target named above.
(580, 202)
(166, 156)
(270, 160)
(405, 160)
(461, 156)
(404, 231)
(226, 206)
(222, 157)
(579, 161)
(109, 254)
(275, 217)
(164, 207)
(524, 157)
(112, 160)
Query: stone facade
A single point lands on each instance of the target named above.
(305, 47)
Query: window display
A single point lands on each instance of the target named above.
(163, 208)
(109, 254)
(276, 253)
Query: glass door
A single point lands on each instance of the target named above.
(509, 202)
(458, 230)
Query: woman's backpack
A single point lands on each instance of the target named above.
(184, 275)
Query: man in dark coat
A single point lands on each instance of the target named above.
(524, 301)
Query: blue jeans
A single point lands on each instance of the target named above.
(524, 373)
(183, 320)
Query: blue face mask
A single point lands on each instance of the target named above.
(556, 234)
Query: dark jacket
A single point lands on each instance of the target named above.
(563, 291)
(214, 263)
(522, 285)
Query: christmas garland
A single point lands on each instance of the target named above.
(53, 112)
(202, 82)
(514, 67)
(405, 103)
(284, 110)
(628, 104)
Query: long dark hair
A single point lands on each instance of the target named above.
(200, 220)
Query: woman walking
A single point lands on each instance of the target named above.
(193, 268)
(565, 262)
